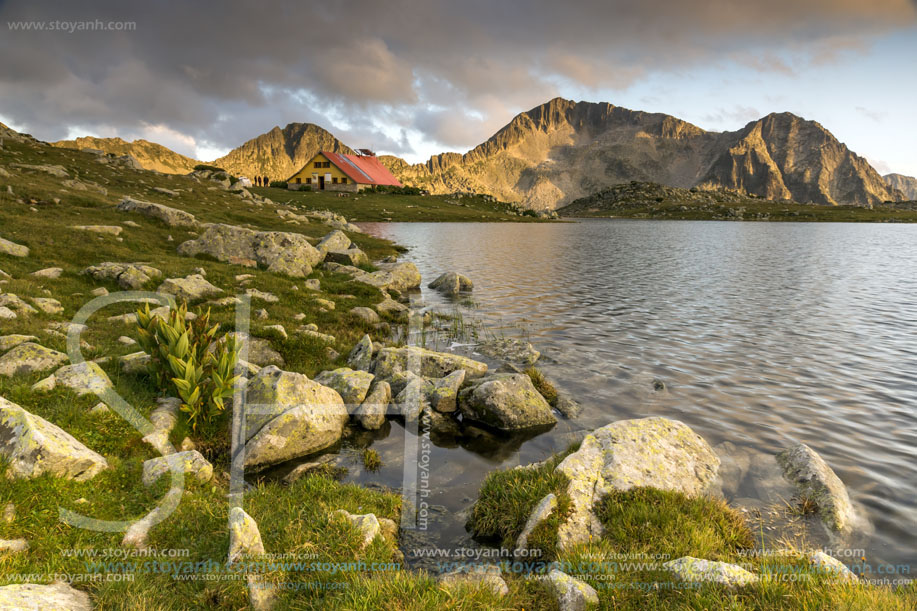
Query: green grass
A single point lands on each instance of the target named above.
(376, 207)
(542, 385)
(371, 459)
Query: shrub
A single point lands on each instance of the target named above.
(278, 184)
(204, 166)
(187, 355)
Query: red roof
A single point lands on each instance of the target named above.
(365, 170)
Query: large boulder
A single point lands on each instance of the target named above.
(56, 596)
(33, 446)
(425, 363)
(451, 284)
(334, 241)
(131, 276)
(351, 256)
(351, 384)
(361, 357)
(647, 452)
(817, 482)
(281, 252)
(506, 401)
(288, 416)
(170, 216)
(11, 341)
(30, 358)
(190, 288)
(399, 276)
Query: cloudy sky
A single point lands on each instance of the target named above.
(416, 77)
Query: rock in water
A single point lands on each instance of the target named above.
(506, 401)
(695, 570)
(351, 385)
(425, 363)
(648, 452)
(451, 283)
(371, 414)
(288, 416)
(29, 358)
(815, 481)
(33, 446)
(571, 594)
(57, 596)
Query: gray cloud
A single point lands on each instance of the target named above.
(222, 72)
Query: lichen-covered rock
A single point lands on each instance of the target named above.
(7, 314)
(49, 273)
(371, 414)
(425, 362)
(541, 513)
(48, 305)
(334, 241)
(135, 362)
(14, 302)
(477, 575)
(451, 284)
(12, 249)
(817, 482)
(131, 276)
(288, 416)
(695, 570)
(413, 399)
(399, 276)
(190, 288)
(510, 349)
(57, 596)
(361, 357)
(391, 307)
(365, 314)
(244, 536)
(261, 352)
(190, 462)
(647, 452)
(33, 446)
(11, 341)
(832, 567)
(571, 594)
(351, 384)
(280, 252)
(506, 401)
(443, 396)
(367, 524)
(170, 216)
(30, 358)
(83, 378)
(114, 230)
(351, 256)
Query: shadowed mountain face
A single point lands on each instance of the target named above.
(279, 153)
(906, 184)
(563, 150)
(149, 155)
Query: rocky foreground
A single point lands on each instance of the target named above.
(321, 362)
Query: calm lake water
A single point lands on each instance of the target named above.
(764, 335)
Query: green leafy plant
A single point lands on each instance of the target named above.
(188, 356)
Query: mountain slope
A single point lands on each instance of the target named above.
(149, 155)
(906, 184)
(280, 152)
(563, 150)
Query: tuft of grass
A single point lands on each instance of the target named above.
(371, 459)
(542, 385)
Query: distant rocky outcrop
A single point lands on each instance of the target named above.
(906, 184)
(149, 155)
(563, 150)
(279, 153)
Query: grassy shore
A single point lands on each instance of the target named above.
(370, 206)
